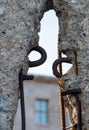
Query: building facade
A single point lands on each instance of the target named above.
(42, 105)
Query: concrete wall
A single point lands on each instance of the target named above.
(19, 27)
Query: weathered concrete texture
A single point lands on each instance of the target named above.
(19, 25)
(74, 42)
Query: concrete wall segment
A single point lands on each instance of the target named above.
(19, 27)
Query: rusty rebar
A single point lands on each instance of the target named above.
(55, 64)
(67, 92)
(39, 61)
(79, 115)
(59, 75)
(22, 100)
(71, 91)
(63, 113)
(23, 77)
(76, 64)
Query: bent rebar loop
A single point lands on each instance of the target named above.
(67, 92)
(23, 77)
(39, 61)
(59, 76)
(56, 63)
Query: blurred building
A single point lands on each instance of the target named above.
(41, 105)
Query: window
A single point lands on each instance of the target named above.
(41, 111)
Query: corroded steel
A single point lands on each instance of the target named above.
(23, 77)
(41, 60)
(67, 92)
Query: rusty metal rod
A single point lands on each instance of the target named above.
(71, 91)
(76, 64)
(55, 64)
(60, 65)
(22, 100)
(23, 77)
(79, 115)
(59, 75)
(61, 98)
(28, 77)
(41, 60)
(63, 113)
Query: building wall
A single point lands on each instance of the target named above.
(40, 88)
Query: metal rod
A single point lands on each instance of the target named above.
(22, 100)
(41, 60)
(79, 115)
(76, 64)
(60, 65)
(28, 77)
(55, 64)
(23, 77)
(71, 91)
(59, 75)
(63, 113)
(61, 98)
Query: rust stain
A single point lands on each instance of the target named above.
(60, 82)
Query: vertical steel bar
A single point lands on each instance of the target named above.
(63, 113)
(79, 115)
(60, 65)
(61, 97)
(76, 64)
(22, 100)
(62, 100)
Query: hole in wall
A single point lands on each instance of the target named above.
(48, 39)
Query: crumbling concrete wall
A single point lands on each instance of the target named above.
(74, 42)
(19, 27)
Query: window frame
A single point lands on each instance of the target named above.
(41, 121)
